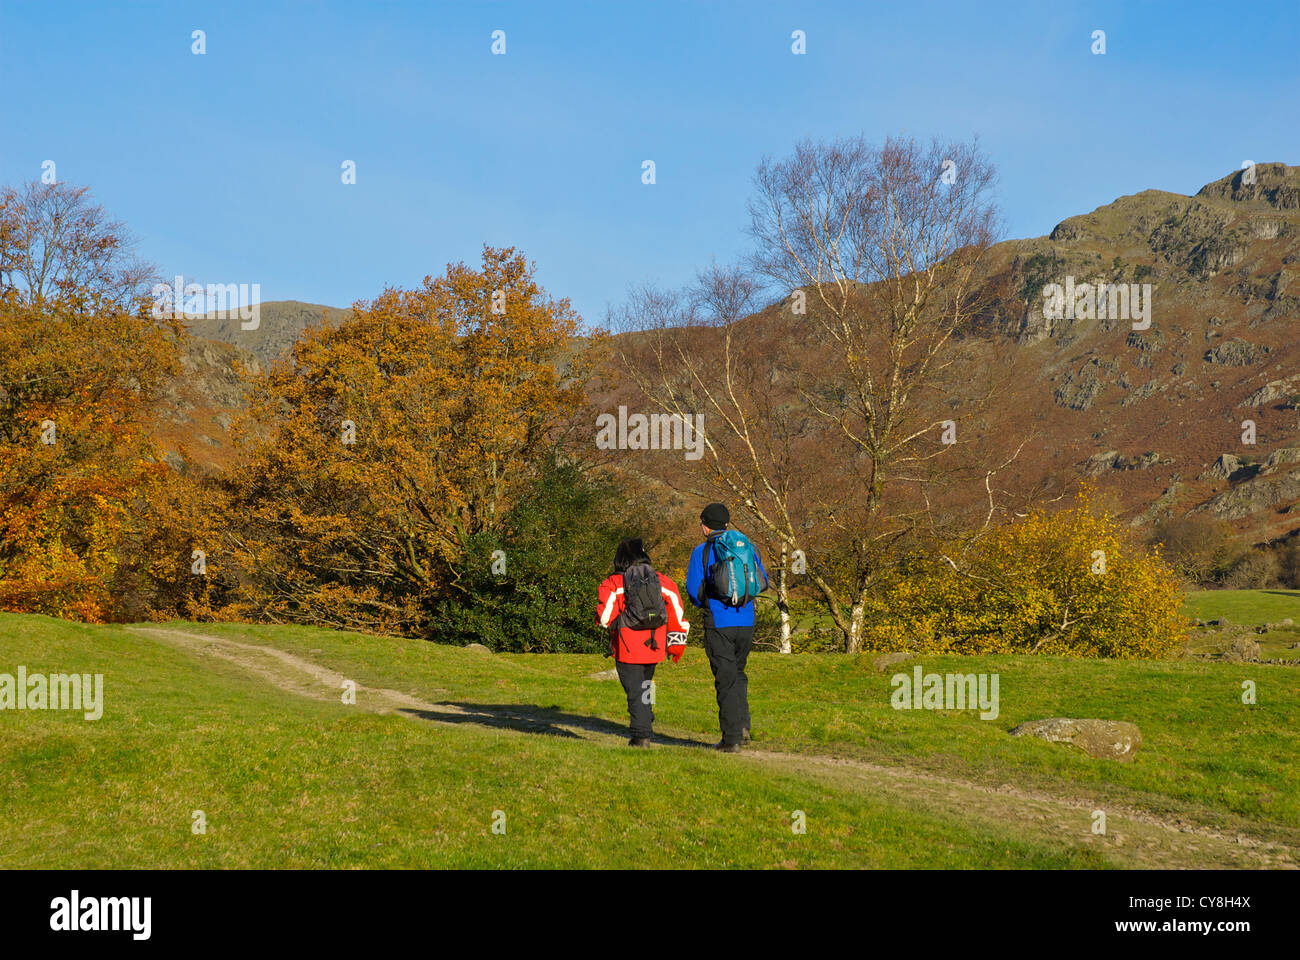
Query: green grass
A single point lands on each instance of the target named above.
(1250, 607)
(1202, 747)
(286, 781)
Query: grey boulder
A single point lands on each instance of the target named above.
(1104, 739)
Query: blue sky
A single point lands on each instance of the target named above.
(227, 165)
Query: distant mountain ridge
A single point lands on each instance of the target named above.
(280, 323)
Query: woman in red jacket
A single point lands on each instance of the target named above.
(646, 622)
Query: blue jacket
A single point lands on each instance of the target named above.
(721, 615)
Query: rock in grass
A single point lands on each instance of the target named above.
(1104, 739)
(478, 646)
(610, 674)
(1241, 650)
(887, 660)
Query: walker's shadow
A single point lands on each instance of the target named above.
(530, 718)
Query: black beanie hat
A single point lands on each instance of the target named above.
(715, 516)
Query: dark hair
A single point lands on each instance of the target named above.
(630, 552)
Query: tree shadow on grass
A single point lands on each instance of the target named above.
(530, 718)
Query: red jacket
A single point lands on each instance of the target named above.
(629, 646)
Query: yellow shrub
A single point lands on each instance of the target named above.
(1070, 584)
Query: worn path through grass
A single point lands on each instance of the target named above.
(1135, 837)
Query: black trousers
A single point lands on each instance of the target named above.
(637, 679)
(728, 651)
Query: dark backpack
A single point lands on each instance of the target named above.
(643, 601)
(733, 577)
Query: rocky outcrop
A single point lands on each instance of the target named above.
(1223, 468)
(1136, 462)
(1281, 457)
(279, 325)
(1262, 492)
(1079, 391)
(1271, 391)
(1149, 341)
(1241, 650)
(1236, 353)
(1160, 508)
(1268, 184)
(1144, 392)
(1099, 463)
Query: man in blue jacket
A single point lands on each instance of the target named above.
(728, 633)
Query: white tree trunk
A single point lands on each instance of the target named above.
(783, 605)
(853, 643)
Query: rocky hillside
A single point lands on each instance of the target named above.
(196, 412)
(1157, 414)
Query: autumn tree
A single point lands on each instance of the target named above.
(83, 488)
(76, 464)
(381, 446)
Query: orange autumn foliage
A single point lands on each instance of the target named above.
(75, 462)
(382, 444)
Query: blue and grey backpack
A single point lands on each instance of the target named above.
(734, 577)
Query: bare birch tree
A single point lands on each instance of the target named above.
(56, 242)
(824, 413)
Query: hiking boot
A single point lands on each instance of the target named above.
(744, 735)
(727, 747)
(639, 742)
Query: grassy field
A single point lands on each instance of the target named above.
(289, 776)
(1244, 606)
(1251, 608)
